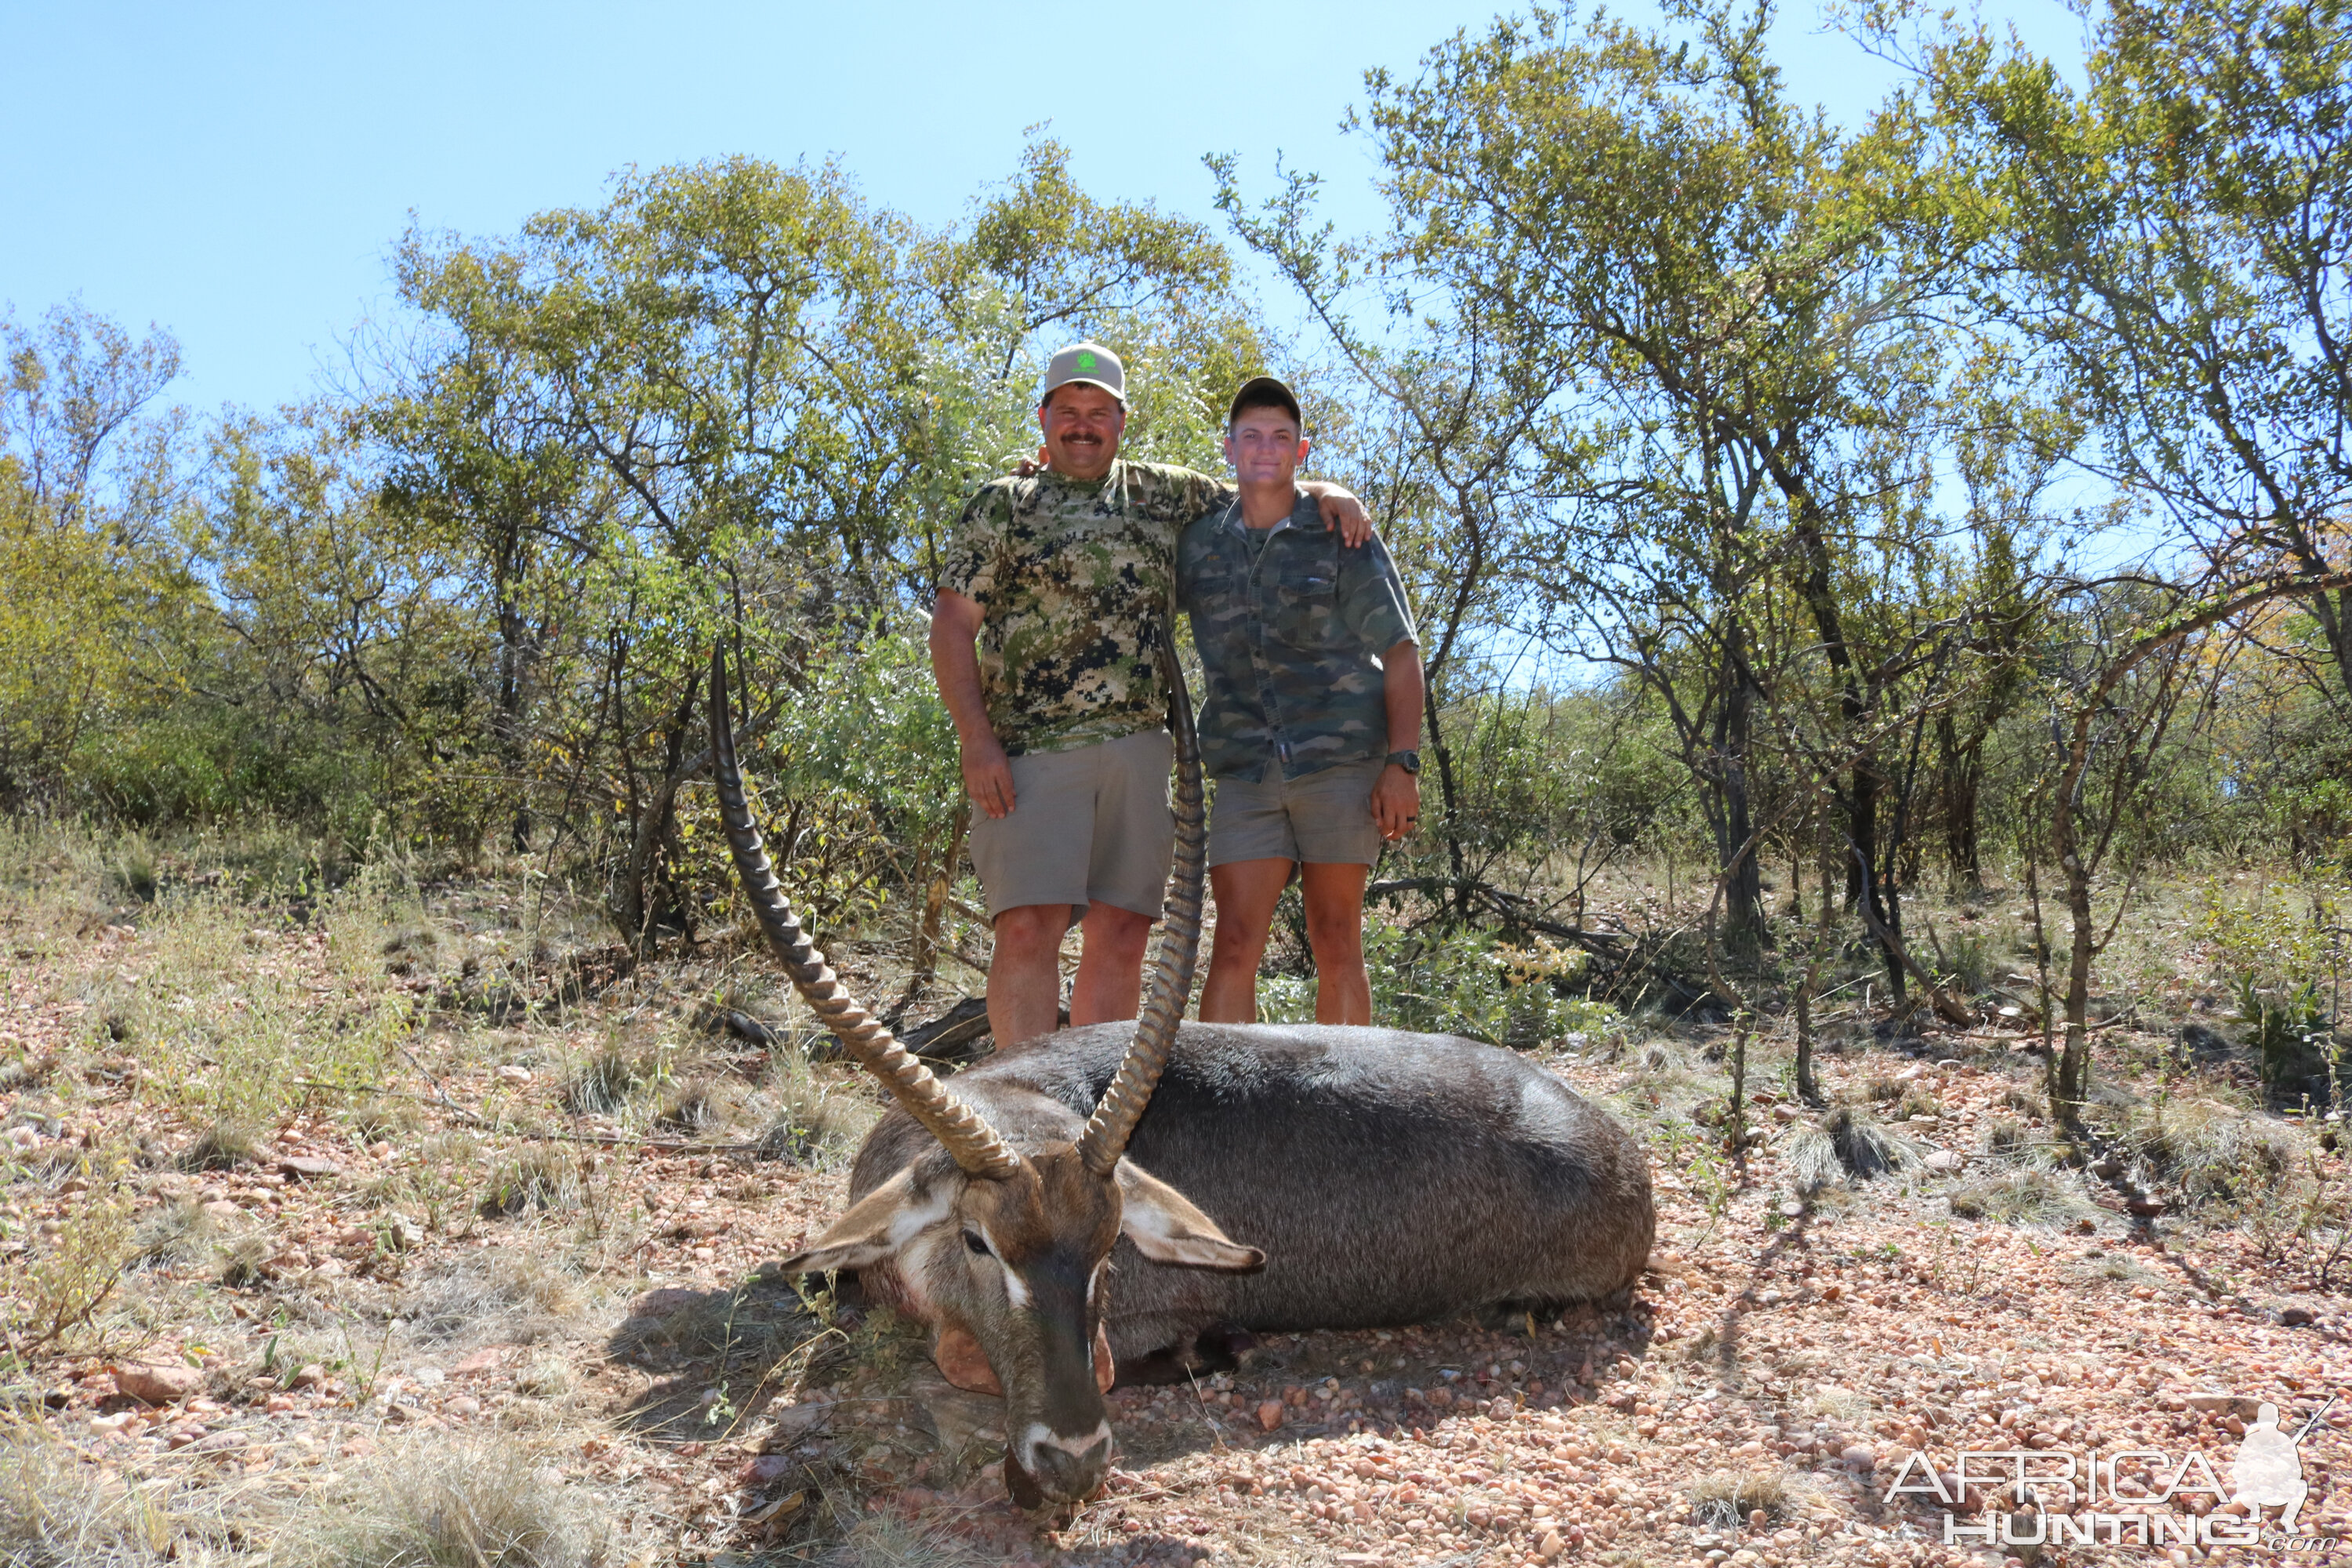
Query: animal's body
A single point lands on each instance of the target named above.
(1388, 1177)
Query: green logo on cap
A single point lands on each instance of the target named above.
(1085, 361)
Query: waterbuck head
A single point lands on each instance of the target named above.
(1006, 1251)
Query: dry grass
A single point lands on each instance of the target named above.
(1846, 1141)
(2006, 1138)
(2027, 1196)
(2211, 1151)
(539, 1177)
(517, 1294)
(377, 1117)
(1726, 1500)
(431, 1503)
(229, 1142)
(809, 1120)
(428, 1280)
(51, 1302)
(891, 1541)
(178, 1232)
(56, 1512)
(604, 1084)
(695, 1106)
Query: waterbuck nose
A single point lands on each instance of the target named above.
(1065, 1468)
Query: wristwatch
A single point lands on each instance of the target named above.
(1409, 761)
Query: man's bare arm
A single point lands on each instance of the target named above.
(955, 667)
(1340, 510)
(1396, 798)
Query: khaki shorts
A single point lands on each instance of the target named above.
(1089, 823)
(1324, 819)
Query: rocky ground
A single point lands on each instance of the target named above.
(511, 1276)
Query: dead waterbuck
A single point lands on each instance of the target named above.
(1111, 1191)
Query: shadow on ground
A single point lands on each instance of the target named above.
(721, 1358)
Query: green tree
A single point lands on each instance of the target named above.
(1720, 325)
(91, 575)
(2175, 239)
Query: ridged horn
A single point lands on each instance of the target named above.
(975, 1145)
(1113, 1122)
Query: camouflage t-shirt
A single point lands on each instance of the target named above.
(1291, 624)
(1068, 575)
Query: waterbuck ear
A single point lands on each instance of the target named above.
(1167, 1228)
(876, 1227)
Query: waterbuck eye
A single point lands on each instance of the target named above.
(975, 1244)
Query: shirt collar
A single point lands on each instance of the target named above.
(1235, 520)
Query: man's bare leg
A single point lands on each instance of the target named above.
(1110, 965)
(1246, 893)
(1024, 972)
(1335, 930)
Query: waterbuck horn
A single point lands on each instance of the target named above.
(972, 1141)
(1113, 1122)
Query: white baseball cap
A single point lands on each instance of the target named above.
(1089, 363)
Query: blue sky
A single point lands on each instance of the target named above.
(239, 173)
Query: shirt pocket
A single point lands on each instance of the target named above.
(1307, 600)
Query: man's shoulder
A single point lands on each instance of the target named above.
(997, 499)
(1202, 528)
(1008, 491)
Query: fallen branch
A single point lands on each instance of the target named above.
(441, 1098)
(1623, 952)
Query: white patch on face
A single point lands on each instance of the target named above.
(1038, 1436)
(1014, 1291)
(1094, 1280)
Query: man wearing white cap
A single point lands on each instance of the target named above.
(1041, 643)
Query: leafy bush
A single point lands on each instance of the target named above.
(2292, 1039)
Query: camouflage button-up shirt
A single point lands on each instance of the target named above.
(1290, 624)
(1067, 576)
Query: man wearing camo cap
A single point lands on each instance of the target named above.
(1040, 644)
(1312, 716)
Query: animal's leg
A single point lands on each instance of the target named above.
(1516, 1313)
(1163, 1365)
(1221, 1346)
(1214, 1349)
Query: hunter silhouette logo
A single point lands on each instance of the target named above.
(2269, 1467)
(2133, 1496)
